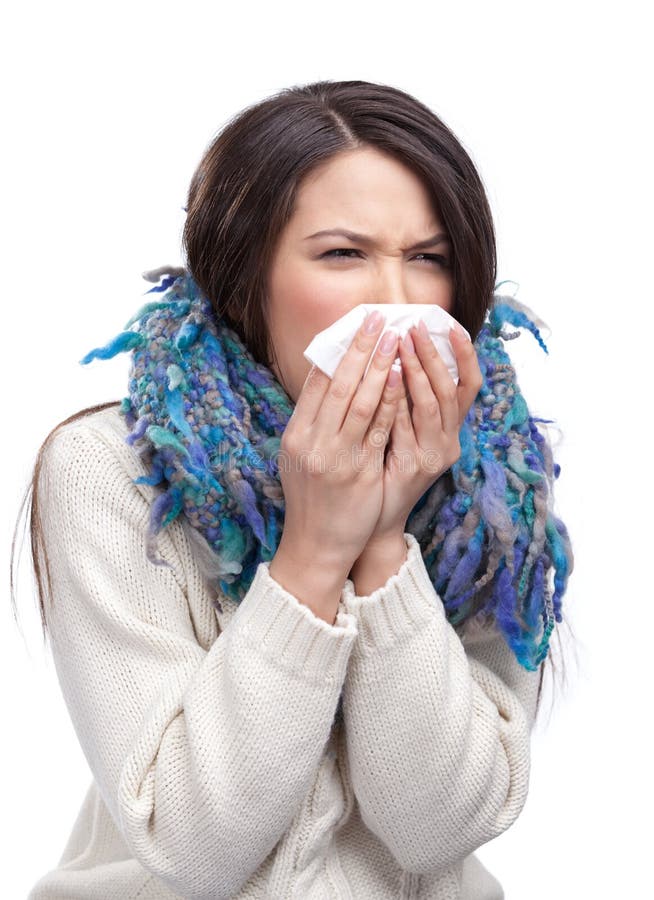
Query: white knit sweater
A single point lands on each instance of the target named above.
(218, 768)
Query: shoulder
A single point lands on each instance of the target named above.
(93, 447)
(88, 501)
(85, 492)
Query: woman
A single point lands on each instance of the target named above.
(297, 670)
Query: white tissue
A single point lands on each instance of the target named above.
(330, 345)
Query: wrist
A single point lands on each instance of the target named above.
(331, 566)
(380, 546)
(381, 558)
(314, 580)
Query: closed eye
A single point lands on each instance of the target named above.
(430, 258)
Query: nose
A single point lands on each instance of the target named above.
(390, 288)
(389, 285)
(389, 296)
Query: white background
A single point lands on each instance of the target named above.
(107, 109)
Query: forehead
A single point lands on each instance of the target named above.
(364, 191)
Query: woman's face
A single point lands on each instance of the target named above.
(314, 280)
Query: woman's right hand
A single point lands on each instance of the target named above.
(331, 464)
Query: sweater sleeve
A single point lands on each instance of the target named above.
(438, 734)
(202, 756)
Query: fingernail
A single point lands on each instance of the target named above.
(408, 343)
(372, 322)
(388, 342)
(394, 378)
(422, 328)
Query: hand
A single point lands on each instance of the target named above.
(332, 457)
(424, 441)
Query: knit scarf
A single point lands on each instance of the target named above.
(207, 418)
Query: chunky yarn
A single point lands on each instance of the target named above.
(207, 419)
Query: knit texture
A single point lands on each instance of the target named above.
(209, 419)
(218, 770)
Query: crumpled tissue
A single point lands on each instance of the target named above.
(330, 345)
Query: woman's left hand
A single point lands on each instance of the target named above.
(424, 441)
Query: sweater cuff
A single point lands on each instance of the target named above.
(406, 603)
(287, 631)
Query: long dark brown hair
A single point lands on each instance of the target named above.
(243, 192)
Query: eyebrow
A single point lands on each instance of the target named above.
(438, 238)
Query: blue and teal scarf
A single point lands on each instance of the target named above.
(208, 418)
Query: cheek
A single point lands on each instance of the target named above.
(306, 311)
(445, 296)
(301, 314)
(306, 304)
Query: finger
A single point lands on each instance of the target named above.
(403, 436)
(426, 409)
(402, 444)
(318, 383)
(380, 428)
(369, 392)
(442, 384)
(313, 390)
(470, 374)
(345, 382)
